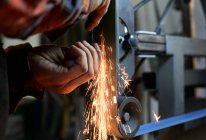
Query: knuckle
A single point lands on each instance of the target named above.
(78, 43)
(84, 68)
(96, 71)
(83, 55)
(83, 63)
(90, 73)
(93, 52)
(96, 45)
(85, 42)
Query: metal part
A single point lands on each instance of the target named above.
(140, 4)
(111, 37)
(169, 50)
(126, 13)
(126, 116)
(172, 67)
(197, 76)
(150, 43)
(166, 10)
(111, 34)
(129, 109)
(126, 29)
(172, 121)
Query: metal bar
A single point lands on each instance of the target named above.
(185, 46)
(197, 76)
(172, 121)
(135, 10)
(158, 28)
(140, 4)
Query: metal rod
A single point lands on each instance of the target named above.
(172, 121)
(140, 4)
(136, 8)
(126, 29)
(158, 28)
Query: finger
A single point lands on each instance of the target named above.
(73, 84)
(62, 73)
(96, 16)
(80, 66)
(94, 55)
(99, 52)
(89, 58)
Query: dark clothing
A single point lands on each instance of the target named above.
(4, 94)
(20, 19)
(20, 79)
(15, 81)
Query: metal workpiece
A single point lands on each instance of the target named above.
(124, 123)
(129, 109)
(170, 52)
(197, 76)
(150, 37)
(125, 49)
(150, 43)
(185, 46)
(169, 45)
(110, 32)
(172, 77)
(143, 42)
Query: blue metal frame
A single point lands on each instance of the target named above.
(172, 121)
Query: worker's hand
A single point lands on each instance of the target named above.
(62, 69)
(97, 9)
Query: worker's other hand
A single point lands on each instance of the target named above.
(62, 69)
(97, 9)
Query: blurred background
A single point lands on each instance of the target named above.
(60, 117)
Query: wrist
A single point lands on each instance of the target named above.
(20, 78)
(18, 69)
(19, 74)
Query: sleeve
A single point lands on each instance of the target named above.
(4, 94)
(28, 17)
(20, 78)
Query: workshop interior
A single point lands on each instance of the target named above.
(161, 46)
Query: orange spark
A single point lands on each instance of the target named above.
(125, 77)
(118, 119)
(115, 99)
(156, 117)
(98, 112)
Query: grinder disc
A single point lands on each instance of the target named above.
(128, 109)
